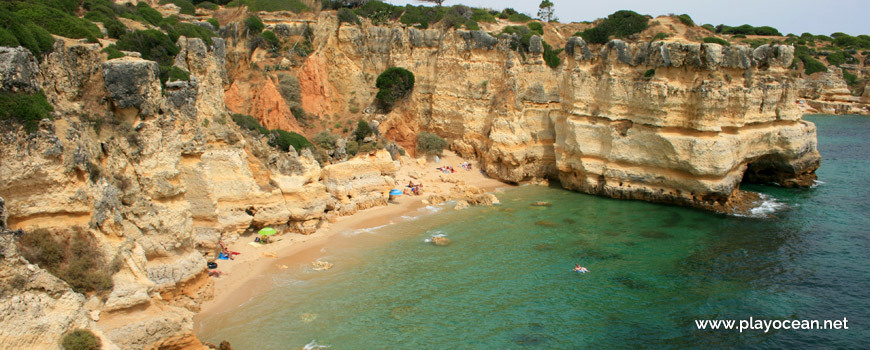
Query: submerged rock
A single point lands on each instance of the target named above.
(321, 265)
(440, 241)
(542, 204)
(546, 223)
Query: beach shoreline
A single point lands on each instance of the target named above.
(247, 276)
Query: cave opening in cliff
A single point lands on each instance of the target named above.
(765, 170)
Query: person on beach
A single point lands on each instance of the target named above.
(227, 253)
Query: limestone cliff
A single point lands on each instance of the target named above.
(157, 176)
(702, 120)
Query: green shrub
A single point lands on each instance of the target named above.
(687, 20)
(747, 29)
(352, 147)
(709, 27)
(8, 39)
(186, 6)
(378, 11)
(107, 16)
(551, 57)
(421, 16)
(347, 16)
(430, 144)
(175, 29)
(249, 122)
(714, 40)
(812, 65)
(471, 25)
(660, 36)
(362, 131)
(40, 247)
(453, 17)
(767, 30)
(178, 74)
(79, 262)
(519, 18)
(254, 24)
(214, 23)
(284, 139)
(850, 78)
(619, 24)
(839, 58)
(738, 36)
(151, 15)
(153, 45)
(43, 38)
(112, 51)
(481, 15)
(68, 6)
(325, 139)
(81, 339)
(595, 35)
(270, 38)
(649, 73)
(394, 83)
(271, 5)
(288, 87)
(536, 27)
(25, 108)
(208, 5)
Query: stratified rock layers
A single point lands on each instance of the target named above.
(665, 122)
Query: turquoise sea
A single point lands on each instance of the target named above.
(505, 282)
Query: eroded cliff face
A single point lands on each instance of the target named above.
(827, 92)
(707, 118)
(156, 175)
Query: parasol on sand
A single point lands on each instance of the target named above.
(267, 231)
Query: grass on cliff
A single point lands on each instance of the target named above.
(72, 256)
(27, 109)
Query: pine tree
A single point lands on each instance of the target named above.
(546, 12)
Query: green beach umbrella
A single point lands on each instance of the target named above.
(267, 231)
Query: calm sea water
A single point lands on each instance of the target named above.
(505, 281)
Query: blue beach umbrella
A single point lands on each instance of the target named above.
(395, 192)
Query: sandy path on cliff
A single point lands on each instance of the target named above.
(247, 275)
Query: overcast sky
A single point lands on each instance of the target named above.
(795, 16)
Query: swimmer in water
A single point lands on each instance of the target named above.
(578, 268)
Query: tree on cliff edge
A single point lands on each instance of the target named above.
(437, 2)
(546, 12)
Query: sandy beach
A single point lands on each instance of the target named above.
(247, 275)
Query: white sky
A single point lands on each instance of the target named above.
(795, 16)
